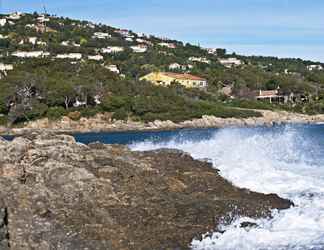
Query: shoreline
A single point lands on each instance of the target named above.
(102, 123)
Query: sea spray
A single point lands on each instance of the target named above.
(286, 160)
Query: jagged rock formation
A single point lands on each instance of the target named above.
(59, 194)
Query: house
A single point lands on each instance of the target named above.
(113, 68)
(30, 54)
(6, 67)
(124, 33)
(43, 19)
(315, 67)
(96, 57)
(129, 39)
(15, 16)
(65, 43)
(111, 50)
(141, 48)
(101, 35)
(76, 56)
(199, 59)
(230, 62)
(3, 22)
(270, 95)
(168, 45)
(166, 78)
(32, 40)
(177, 66)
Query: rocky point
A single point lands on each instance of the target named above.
(56, 193)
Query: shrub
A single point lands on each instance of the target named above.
(3, 120)
(75, 115)
(56, 113)
(120, 114)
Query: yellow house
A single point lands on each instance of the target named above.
(166, 78)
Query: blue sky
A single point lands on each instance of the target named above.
(284, 28)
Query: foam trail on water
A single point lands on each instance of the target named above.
(285, 161)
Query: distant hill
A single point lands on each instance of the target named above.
(51, 66)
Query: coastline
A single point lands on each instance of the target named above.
(103, 123)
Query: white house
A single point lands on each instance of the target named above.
(32, 26)
(113, 49)
(15, 16)
(3, 22)
(124, 33)
(141, 48)
(199, 59)
(168, 45)
(175, 66)
(230, 62)
(32, 40)
(76, 56)
(96, 57)
(6, 67)
(30, 54)
(65, 43)
(43, 19)
(129, 39)
(113, 68)
(314, 67)
(101, 35)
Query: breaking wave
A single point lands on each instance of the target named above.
(286, 160)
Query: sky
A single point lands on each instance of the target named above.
(283, 28)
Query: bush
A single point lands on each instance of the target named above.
(90, 112)
(56, 113)
(113, 103)
(3, 120)
(120, 114)
(75, 115)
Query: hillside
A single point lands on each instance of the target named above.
(53, 66)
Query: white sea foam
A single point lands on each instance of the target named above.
(283, 161)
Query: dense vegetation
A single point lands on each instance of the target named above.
(51, 87)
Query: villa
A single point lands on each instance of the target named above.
(6, 67)
(177, 66)
(96, 57)
(230, 62)
(270, 95)
(315, 67)
(76, 56)
(113, 68)
(166, 78)
(30, 54)
(141, 48)
(15, 16)
(199, 59)
(168, 45)
(101, 35)
(3, 22)
(113, 49)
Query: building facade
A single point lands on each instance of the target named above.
(166, 78)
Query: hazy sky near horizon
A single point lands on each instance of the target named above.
(284, 28)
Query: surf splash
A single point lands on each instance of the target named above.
(288, 161)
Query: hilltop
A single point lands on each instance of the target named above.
(53, 66)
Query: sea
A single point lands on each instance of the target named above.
(287, 160)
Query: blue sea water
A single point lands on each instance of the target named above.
(286, 160)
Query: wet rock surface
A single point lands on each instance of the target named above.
(59, 194)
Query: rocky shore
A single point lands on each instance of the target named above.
(104, 123)
(59, 194)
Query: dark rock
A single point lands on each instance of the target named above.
(59, 194)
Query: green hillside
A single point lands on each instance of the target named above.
(105, 64)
